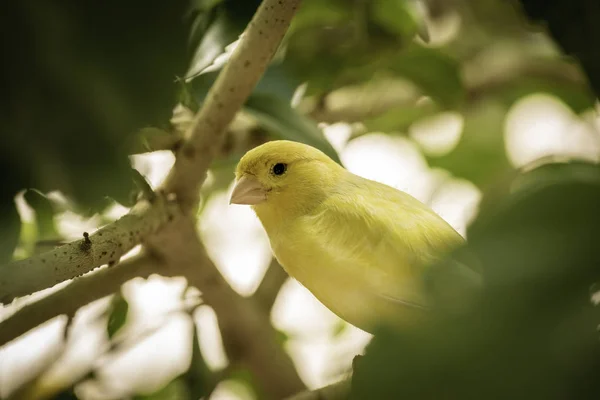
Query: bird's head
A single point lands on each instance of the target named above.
(284, 176)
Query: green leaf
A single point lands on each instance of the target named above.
(283, 122)
(577, 97)
(395, 17)
(174, 390)
(198, 373)
(107, 72)
(218, 24)
(400, 119)
(533, 332)
(10, 229)
(221, 32)
(436, 73)
(339, 328)
(44, 214)
(117, 314)
(480, 155)
(275, 82)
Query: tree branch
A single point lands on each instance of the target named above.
(266, 293)
(80, 292)
(227, 95)
(246, 330)
(105, 246)
(337, 391)
(248, 336)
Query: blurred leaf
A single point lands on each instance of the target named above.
(222, 174)
(339, 329)
(143, 187)
(282, 337)
(534, 333)
(77, 80)
(174, 390)
(276, 82)
(218, 24)
(221, 32)
(117, 314)
(436, 73)
(246, 378)
(150, 139)
(480, 155)
(282, 121)
(574, 27)
(68, 394)
(196, 377)
(10, 230)
(576, 96)
(394, 16)
(400, 119)
(44, 214)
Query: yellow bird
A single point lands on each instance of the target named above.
(364, 249)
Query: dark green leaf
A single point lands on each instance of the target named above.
(44, 214)
(197, 376)
(10, 230)
(400, 119)
(283, 122)
(78, 79)
(479, 156)
(117, 314)
(533, 334)
(275, 82)
(394, 16)
(436, 73)
(576, 96)
(221, 32)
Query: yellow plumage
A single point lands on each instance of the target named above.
(361, 247)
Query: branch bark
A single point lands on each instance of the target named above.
(80, 292)
(105, 246)
(337, 391)
(266, 293)
(247, 333)
(248, 336)
(227, 95)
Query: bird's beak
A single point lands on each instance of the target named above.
(249, 191)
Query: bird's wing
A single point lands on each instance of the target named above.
(385, 238)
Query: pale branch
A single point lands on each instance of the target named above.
(336, 391)
(266, 293)
(81, 291)
(248, 336)
(234, 84)
(105, 246)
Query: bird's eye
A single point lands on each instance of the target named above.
(279, 168)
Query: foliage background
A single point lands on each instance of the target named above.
(88, 88)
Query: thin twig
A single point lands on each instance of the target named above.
(80, 292)
(105, 246)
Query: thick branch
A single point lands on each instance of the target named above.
(337, 391)
(105, 246)
(229, 92)
(80, 292)
(248, 336)
(266, 293)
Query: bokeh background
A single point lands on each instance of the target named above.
(446, 100)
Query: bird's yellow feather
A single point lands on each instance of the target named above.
(361, 247)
